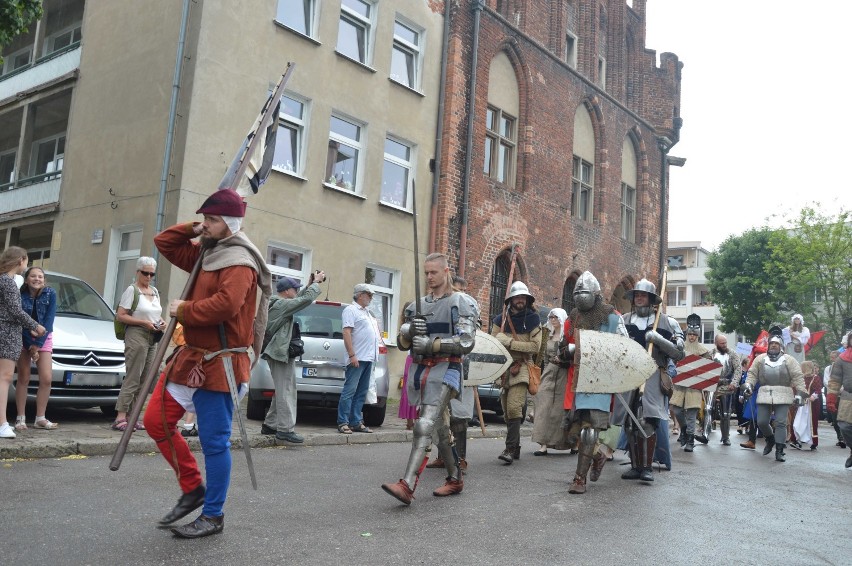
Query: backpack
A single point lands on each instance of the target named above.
(120, 327)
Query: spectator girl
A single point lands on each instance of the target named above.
(39, 301)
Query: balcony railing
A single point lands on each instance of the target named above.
(44, 70)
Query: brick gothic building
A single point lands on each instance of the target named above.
(566, 155)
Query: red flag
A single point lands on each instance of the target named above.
(696, 372)
(815, 337)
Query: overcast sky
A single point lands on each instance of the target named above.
(765, 120)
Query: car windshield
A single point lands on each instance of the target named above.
(322, 320)
(76, 299)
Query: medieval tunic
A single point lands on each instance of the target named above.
(840, 383)
(523, 344)
(547, 428)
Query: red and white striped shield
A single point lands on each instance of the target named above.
(699, 373)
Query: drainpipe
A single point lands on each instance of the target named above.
(664, 144)
(471, 120)
(170, 131)
(439, 131)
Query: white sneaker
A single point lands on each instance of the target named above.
(6, 431)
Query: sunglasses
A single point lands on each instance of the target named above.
(147, 273)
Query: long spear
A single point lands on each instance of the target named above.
(231, 179)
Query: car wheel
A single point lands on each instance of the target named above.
(374, 415)
(256, 409)
(109, 411)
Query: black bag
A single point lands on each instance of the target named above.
(297, 346)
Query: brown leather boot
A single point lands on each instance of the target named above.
(579, 485)
(436, 463)
(463, 464)
(598, 461)
(451, 487)
(400, 490)
(748, 444)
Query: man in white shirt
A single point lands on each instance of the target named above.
(361, 338)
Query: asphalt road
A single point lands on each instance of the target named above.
(323, 505)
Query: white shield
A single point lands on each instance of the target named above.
(610, 363)
(487, 362)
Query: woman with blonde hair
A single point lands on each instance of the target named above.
(139, 308)
(547, 426)
(13, 320)
(40, 301)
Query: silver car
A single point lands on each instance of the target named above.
(88, 360)
(320, 370)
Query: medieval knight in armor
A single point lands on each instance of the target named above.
(649, 401)
(438, 334)
(686, 401)
(778, 374)
(521, 334)
(728, 384)
(586, 414)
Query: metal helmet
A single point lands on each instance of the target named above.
(776, 336)
(693, 325)
(518, 288)
(648, 287)
(586, 291)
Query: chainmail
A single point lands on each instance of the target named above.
(593, 318)
(696, 348)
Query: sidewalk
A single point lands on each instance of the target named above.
(95, 439)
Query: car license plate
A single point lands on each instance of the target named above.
(93, 379)
(309, 372)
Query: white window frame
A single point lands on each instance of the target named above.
(310, 25)
(392, 293)
(496, 143)
(579, 185)
(50, 41)
(408, 165)
(278, 272)
(58, 158)
(571, 49)
(112, 287)
(3, 154)
(407, 48)
(679, 296)
(359, 21)
(300, 125)
(708, 336)
(602, 72)
(9, 60)
(358, 145)
(628, 213)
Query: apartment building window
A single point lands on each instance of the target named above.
(383, 306)
(287, 261)
(297, 15)
(628, 212)
(708, 333)
(676, 296)
(499, 145)
(49, 155)
(405, 59)
(355, 31)
(582, 189)
(62, 39)
(16, 60)
(675, 260)
(344, 154)
(126, 248)
(396, 174)
(571, 50)
(7, 168)
(290, 138)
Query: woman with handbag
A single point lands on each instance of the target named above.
(140, 311)
(40, 301)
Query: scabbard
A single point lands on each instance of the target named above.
(235, 397)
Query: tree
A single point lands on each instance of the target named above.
(15, 16)
(816, 263)
(749, 299)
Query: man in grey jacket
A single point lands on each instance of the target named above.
(281, 418)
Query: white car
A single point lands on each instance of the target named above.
(88, 360)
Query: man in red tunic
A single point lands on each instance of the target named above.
(223, 298)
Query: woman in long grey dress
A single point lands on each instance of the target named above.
(549, 401)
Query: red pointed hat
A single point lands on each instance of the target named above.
(224, 203)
